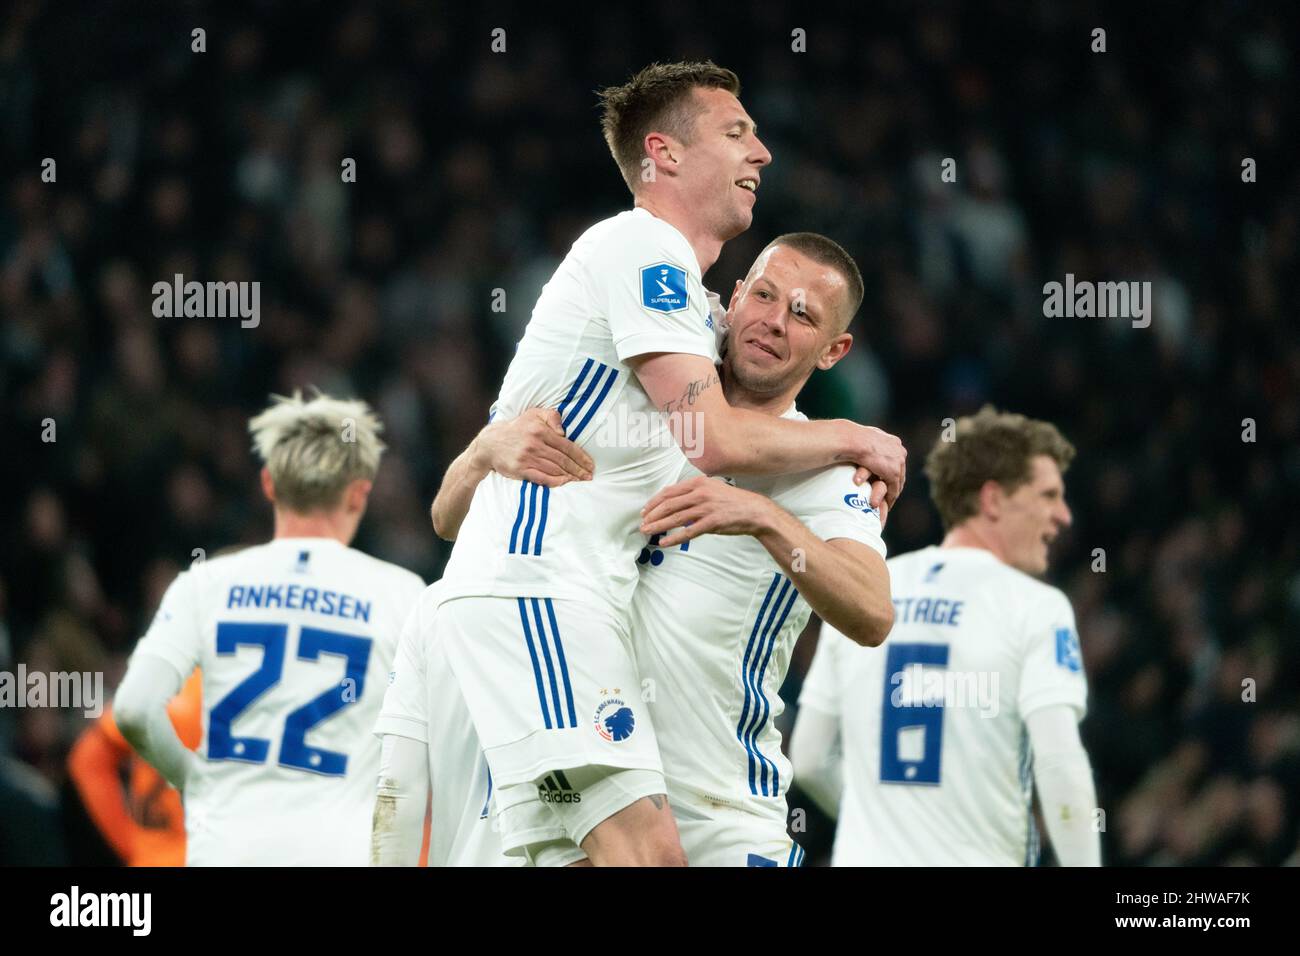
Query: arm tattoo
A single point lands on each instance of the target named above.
(693, 391)
(658, 800)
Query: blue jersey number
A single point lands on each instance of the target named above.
(294, 751)
(911, 743)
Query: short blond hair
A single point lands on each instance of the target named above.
(315, 448)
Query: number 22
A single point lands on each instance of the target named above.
(294, 750)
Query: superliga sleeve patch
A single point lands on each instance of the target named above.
(663, 287)
(1067, 650)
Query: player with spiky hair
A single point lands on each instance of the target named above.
(295, 638)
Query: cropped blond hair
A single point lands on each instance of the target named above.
(315, 448)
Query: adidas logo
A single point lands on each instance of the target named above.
(555, 788)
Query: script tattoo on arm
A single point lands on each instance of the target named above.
(693, 391)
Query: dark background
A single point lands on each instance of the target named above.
(477, 170)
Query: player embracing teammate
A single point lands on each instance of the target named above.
(642, 532)
(733, 568)
(532, 618)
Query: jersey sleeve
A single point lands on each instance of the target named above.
(832, 506)
(405, 712)
(408, 597)
(646, 282)
(689, 471)
(1052, 669)
(821, 688)
(175, 634)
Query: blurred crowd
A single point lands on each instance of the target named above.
(125, 435)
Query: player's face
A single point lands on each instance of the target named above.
(724, 152)
(785, 321)
(1034, 515)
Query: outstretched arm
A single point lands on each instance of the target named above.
(738, 441)
(531, 447)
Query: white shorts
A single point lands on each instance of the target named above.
(730, 837)
(558, 812)
(424, 703)
(550, 684)
(462, 786)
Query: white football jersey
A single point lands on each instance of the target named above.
(937, 767)
(424, 703)
(295, 639)
(629, 286)
(714, 622)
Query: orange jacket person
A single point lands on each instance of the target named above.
(143, 823)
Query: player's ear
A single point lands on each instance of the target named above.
(358, 494)
(991, 499)
(661, 149)
(838, 348)
(268, 486)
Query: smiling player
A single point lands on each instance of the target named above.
(720, 603)
(534, 620)
(734, 569)
(979, 686)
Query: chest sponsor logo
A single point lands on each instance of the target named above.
(860, 502)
